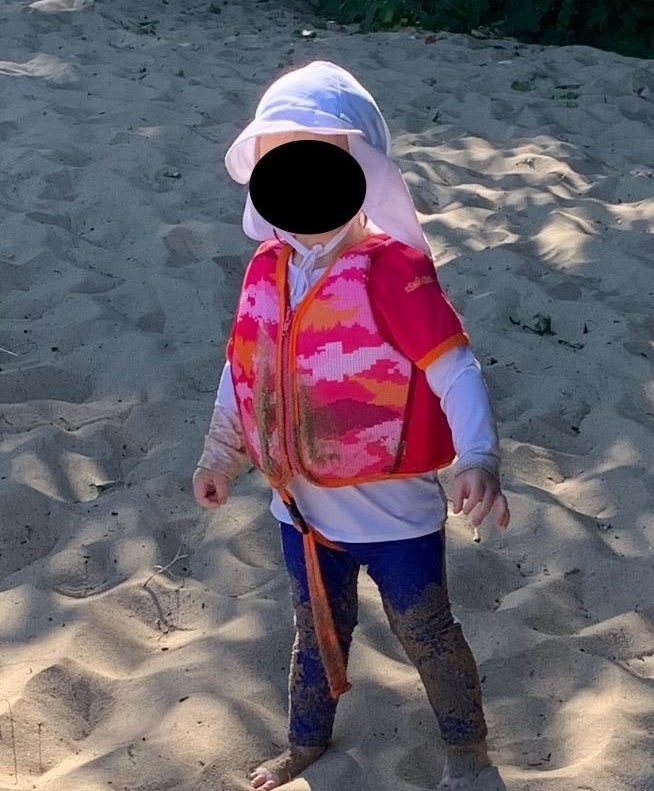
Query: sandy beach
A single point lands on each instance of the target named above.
(143, 643)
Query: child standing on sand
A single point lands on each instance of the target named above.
(349, 382)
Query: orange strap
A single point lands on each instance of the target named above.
(323, 621)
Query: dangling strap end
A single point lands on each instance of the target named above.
(336, 692)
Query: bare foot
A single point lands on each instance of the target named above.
(283, 769)
(462, 766)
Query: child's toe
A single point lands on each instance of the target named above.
(260, 778)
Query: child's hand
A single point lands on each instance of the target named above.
(210, 488)
(478, 493)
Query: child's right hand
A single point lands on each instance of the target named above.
(210, 488)
(477, 493)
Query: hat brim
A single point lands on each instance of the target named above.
(241, 155)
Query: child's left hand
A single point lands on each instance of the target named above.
(478, 493)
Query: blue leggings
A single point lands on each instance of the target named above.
(410, 576)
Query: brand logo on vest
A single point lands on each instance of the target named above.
(422, 280)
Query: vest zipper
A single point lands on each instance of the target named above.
(285, 392)
(292, 408)
(289, 412)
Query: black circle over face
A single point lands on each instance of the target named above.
(307, 186)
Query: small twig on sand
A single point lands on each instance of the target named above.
(13, 740)
(6, 351)
(163, 569)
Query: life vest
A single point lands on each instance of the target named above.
(322, 391)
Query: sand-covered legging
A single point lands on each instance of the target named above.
(410, 575)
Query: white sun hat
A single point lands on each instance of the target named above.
(325, 99)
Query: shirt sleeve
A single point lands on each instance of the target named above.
(410, 307)
(224, 448)
(456, 379)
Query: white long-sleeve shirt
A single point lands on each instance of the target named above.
(380, 510)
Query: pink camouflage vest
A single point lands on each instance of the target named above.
(320, 391)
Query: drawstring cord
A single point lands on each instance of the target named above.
(309, 257)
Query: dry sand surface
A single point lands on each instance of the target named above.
(121, 253)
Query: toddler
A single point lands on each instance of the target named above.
(349, 383)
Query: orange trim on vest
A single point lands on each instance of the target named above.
(451, 343)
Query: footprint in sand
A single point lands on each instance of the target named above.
(184, 246)
(552, 605)
(58, 708)
(83, 571)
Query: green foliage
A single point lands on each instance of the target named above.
(626, 26)
(373, 15)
